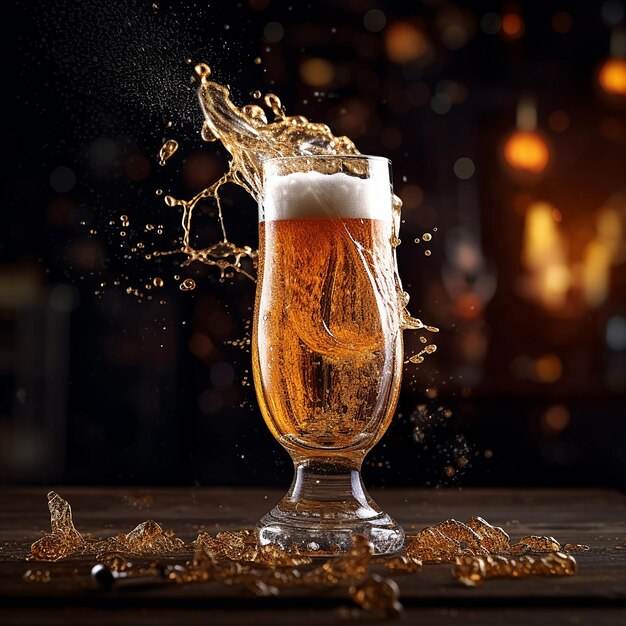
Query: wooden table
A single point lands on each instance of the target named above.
(596, 595)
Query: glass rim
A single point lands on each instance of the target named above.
(368, 157)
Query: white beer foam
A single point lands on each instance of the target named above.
(311, 194)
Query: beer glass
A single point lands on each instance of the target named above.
(327, 343)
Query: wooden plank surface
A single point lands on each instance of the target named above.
(597, 594)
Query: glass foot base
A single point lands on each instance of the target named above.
(324, 509)
(326, 537)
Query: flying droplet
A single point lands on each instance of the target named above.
(167, 150)
(274, 103)
(189, 284)
(258, 61)
(203, 71)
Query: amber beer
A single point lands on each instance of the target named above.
(328, 348)
(326, 363)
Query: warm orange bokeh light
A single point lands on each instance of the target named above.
(468, 305)
(548, 368)
(544, 256)
(512, 25)
(317, 72)
(612, 76)
(405, 42)
(555, 419)
(527, 151)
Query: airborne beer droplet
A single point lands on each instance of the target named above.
(167, 150)
(189, 284)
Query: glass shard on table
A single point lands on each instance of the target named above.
(147, 538)
(63, 539)
(480, 551)
(403, 563)
(492, 538)
(444, 542)
(378, 595)
(472, 570)
(535, 543)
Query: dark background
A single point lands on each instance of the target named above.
(98, 385)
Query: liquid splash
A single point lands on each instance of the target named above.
(251, 138)
(476, 549)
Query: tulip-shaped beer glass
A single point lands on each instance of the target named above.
(327, 344)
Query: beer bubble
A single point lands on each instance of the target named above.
(427, 252)
(256, 94)
(427, 236)
(258, 61)
(158, 282)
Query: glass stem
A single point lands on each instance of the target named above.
(329, 488)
